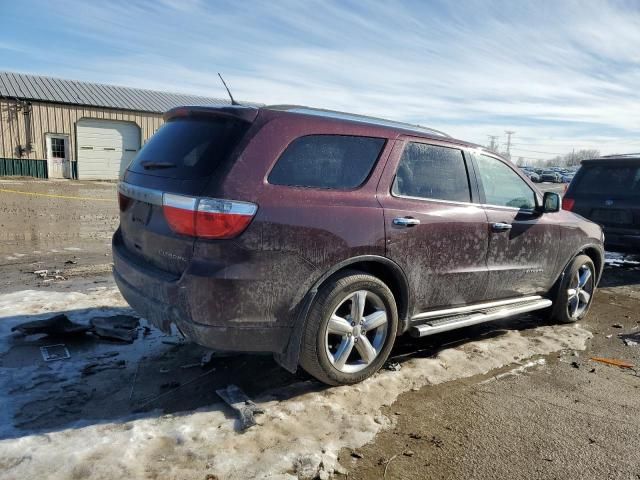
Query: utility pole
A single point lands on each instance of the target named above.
(509, 133)
(493, 143)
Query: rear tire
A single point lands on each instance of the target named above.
(575, 293)
(350, 329)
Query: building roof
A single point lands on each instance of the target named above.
(47, 89)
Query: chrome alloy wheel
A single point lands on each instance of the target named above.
(357, 331)
(580, 291)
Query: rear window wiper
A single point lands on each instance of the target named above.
(154, 165)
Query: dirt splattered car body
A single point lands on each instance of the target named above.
(251, 289)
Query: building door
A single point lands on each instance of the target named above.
(105, 148)
(57, 155)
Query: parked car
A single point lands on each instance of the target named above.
(567, 177)
(321, 236)
(551, 176)
(607, 191)
(533, 176)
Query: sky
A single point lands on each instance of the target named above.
(563, 75)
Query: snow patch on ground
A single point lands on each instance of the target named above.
(614, 259)
(294, 436)
(519, 370)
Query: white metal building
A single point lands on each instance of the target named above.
(54, 128)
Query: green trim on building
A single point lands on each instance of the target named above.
(23, 167)
(74, 170)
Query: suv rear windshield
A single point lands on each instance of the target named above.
(336, 162)
(188, 148)
(613, 180)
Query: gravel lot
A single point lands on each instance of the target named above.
(512, 399)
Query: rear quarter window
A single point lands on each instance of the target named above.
(337, 162)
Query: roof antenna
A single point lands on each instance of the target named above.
(233, 102)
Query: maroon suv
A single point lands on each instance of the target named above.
(321, 236)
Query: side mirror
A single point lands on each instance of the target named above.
(550, 202)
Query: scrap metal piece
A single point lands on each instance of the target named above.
(239, 401)
(631, 339)
(117, 327)
(56, 325)
(55, 352)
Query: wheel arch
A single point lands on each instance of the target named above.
(381, 267)
(597, 257)
(594, 252)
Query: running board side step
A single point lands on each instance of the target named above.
(452, 322)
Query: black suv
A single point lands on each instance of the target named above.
(607, 191)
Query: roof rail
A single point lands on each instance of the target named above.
(354, 117)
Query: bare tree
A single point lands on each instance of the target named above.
(571, 159)
(574, 158)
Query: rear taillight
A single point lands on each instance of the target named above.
(123, 201)
(207, 217)
(180, 212)
(568, 203)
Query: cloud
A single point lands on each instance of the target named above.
(559, 73)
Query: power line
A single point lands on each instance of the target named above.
(533, 158)
(538, 151)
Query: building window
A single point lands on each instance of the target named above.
(57, 147)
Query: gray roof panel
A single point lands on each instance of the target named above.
(35, 86)
(47, 89)
(10, 83)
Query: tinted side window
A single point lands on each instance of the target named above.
(429, 171)
(327, 161)
(502, 186)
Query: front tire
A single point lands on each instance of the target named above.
(350, 329)
(576, 290)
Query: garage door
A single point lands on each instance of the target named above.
(105, 148)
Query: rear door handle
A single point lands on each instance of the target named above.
(406, 221)
(501, 227)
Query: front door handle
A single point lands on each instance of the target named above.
(406, 221)
(501, 227)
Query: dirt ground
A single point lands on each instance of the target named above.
(548, 412)
(569, 417)
(55, 225)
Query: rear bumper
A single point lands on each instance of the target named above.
(624, 243)
(621, 240)
(165, 300)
